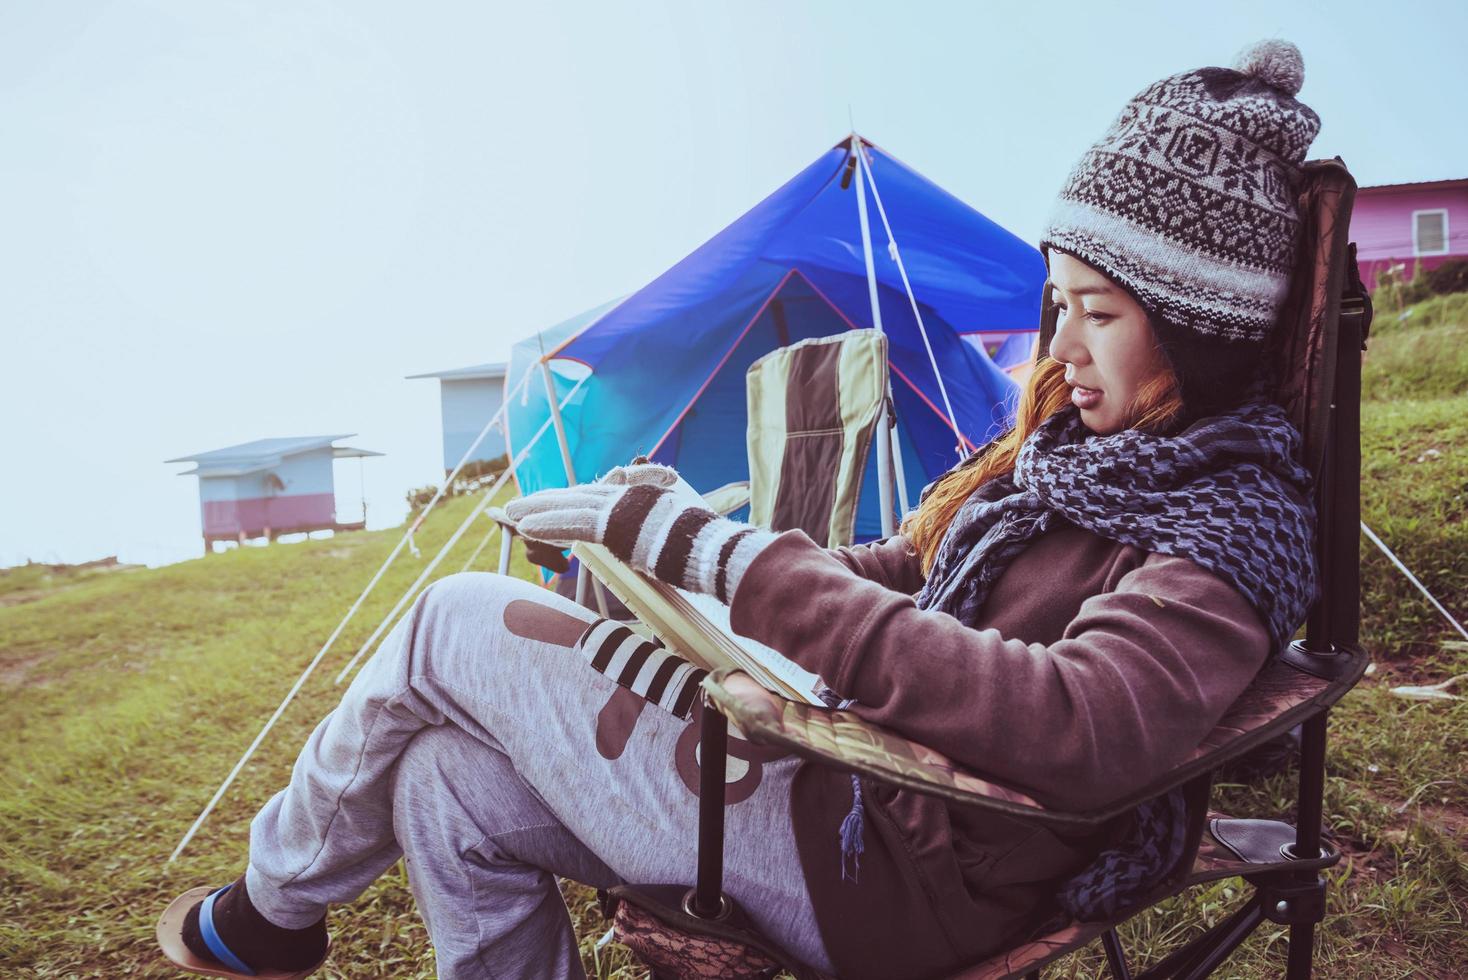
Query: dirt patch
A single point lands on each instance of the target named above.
(1366, 858)
(1447, 821)
(19, 673)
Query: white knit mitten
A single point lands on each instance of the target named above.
(648, 527)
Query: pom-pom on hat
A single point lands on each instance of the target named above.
(1188, 201)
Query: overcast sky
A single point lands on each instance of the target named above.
(221, 221)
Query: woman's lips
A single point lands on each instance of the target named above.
(1084, 398)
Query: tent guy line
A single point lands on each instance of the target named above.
(968, 444)
(1402, 567)
(907, 285)
(392, 617)
(885, 425)
(493, 527)
(331, 640)
(485, 500)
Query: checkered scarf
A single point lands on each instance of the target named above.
(1225, 493)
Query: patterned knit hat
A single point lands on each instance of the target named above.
(1188, 201)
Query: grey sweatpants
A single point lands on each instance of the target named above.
(496, 754)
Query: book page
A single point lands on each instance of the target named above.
(788, 672)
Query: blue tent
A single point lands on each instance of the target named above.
(661, 372)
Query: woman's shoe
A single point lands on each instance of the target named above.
(224, 961)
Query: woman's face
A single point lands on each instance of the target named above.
(1105, 342)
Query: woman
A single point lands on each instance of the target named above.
(1070, 612)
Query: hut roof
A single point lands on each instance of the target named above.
(263, 454)
(488, 371)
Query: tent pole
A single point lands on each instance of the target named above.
(898, 476)
(550, 397)
(884, 432)
(586, 586)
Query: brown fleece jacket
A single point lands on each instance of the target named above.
(1097, 667)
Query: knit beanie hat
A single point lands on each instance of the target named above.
(1188, 202)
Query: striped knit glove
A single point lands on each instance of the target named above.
(650, 528)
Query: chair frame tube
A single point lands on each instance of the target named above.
(708, 895)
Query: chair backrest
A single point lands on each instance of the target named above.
(813, 410)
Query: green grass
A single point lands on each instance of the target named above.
(25, 583)
(1424, 362)
(1451, 308)
(129, 694)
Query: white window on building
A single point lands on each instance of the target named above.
(1430, 232)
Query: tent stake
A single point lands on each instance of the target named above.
(884, 432)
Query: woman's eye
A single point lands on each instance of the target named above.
(1095, 317)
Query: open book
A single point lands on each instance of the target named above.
(696, 626)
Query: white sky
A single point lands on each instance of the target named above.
(225, 221)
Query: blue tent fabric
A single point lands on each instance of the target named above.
(1013, 349)
(666, 364)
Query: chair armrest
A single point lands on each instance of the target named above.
(1280, 697)
(728, 498)
(845, 741)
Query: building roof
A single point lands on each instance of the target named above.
(489, 371)
(1416, 185)
(262, 454)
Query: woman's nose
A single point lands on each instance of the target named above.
(1067, 345)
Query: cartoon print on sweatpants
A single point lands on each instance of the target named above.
(645, 672)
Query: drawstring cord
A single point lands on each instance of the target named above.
(853, 825)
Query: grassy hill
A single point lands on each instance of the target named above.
(130, 694)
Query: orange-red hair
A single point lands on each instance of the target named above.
(1156, 407)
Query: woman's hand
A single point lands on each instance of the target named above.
(634, 474)
(563, 516)
(584, 513)
(647, 526)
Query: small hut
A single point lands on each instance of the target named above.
(270, 487)
(469, 397)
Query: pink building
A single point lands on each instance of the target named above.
(1404, 224)
(270, 487)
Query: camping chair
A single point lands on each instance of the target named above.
(696, 932)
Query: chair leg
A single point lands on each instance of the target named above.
(1115, 958)
(708, 895)
(1229, 942)
(1307, 840)
(1224, 937)
(1302, 951)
